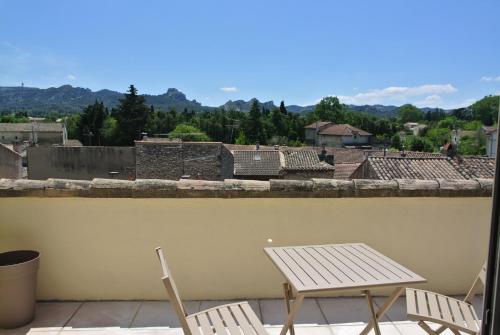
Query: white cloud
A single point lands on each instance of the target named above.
(399, 94)
(431, 101)
(70, 77)
(229, 89)
(490, 78)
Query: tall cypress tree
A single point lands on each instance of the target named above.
(131, 117)
(255, 131)
(91, 123)
(283, 108)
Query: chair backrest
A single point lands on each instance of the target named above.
(480, 279)
(172, 292)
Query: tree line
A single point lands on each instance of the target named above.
(132, 119)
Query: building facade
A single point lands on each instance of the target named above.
(491, 134)
(336, 135)
(34, 133)
(156, 159)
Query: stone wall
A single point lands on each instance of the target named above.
(11, 163)
(235, 188)
(364, 171)
(172, 160)
(305, 175)
(81, 163)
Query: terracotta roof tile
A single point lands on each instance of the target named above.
(257, 163)
(304, 160)
(318, 124)
(32, 126)
(475, 167)
(343, 130)
(387, 168)
(345, 170)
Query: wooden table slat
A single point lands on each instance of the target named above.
(318, 263)
(313, 268)
(397, 267)
(372, 265)
(299, 273)
(357, 267)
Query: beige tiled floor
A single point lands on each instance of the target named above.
(318, 316)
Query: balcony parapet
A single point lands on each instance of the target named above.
(235, 188)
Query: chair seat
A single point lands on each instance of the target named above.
(231, 319)
(434, 307)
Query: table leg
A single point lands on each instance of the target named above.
(383, 309)
(288, 294)
(369, 300)
(294, 308)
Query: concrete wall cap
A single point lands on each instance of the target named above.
(485, 184)
(316, 187)
(283, 185)
(155, 184)
(26, 184)
(452, 184)
(111, 184)
(320, 184)
(68, 184)
(373, 184)
(246, 185)
(6, 184)
(417, 184)
(200, 185)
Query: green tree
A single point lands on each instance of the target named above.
(255, 127)
(438, 136)
(73, 126)
(131, 117)
(109, 131)
(187, 132)
(409, 113)
(279, 123)
(417, 143)
(471, 146)
(91, 123)
(283, 108)
(241, 139)
(329, 109)
(396, 142)
(486, 110)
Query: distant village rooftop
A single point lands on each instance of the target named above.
(387, 168)
(31, 126)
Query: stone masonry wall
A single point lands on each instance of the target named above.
(82, 163)
(11, 163)
(172, 160)
(306, 175)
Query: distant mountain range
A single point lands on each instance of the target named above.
(67, 99)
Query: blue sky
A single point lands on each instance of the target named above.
(430, 53)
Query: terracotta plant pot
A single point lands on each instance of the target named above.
(18, 274)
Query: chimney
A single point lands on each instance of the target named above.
(276, 147)
(257, 146)
(322, 155)
(330, 159)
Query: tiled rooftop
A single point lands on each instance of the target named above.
(475, 167)
(345, 170)
(304, 160)
(387, 168)
(32, 126)
(317, 316)
(463, 167)
(343, 130)
(257, 163)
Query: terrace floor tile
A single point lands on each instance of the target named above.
(105, 314)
